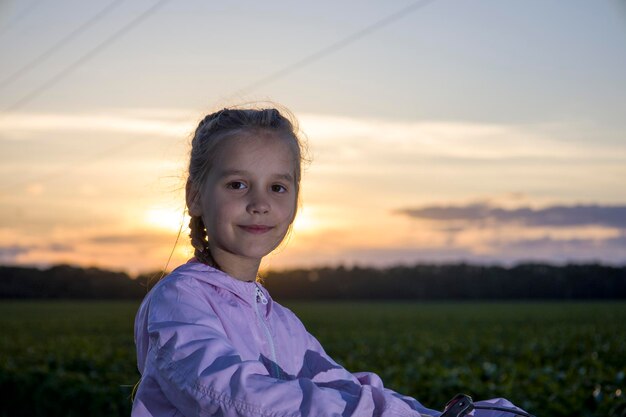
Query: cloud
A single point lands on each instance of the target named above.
(564, 245)
(57, 247)
(136, 238)
(554, 216)
(343, 137)
(507, 253)
(546, 249)
(8, 254)
(130, 251)
(170, 123)
(349, 137)
(611, 250)
(12, 253)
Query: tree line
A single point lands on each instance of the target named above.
(419, 282)
(452, 282)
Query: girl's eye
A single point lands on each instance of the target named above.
(236, 185)
(277, 188)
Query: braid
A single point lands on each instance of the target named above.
(200, 243)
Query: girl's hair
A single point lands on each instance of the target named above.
(215, 129)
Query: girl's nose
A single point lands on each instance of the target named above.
(258, 205)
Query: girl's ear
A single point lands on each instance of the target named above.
(192, 195)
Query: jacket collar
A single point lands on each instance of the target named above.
(245, 290)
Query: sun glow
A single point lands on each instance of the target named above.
(166, 218)
(306, 221)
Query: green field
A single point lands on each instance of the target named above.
(553, 359)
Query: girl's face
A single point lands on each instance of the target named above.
(249, 197)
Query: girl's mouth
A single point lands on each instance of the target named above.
(256, 229)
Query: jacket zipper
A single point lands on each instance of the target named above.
(260, 298)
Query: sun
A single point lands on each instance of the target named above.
(305, 221)
(166, 218)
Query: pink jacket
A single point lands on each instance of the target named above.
(211, 345)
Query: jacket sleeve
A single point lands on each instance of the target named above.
(201, 374)
(375, 382)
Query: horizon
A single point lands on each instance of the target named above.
(333, 267)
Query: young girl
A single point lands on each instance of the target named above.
(210, 339)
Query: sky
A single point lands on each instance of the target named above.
(438, 131)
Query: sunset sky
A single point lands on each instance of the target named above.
(438, 131)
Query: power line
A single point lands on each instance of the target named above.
(340, 44)
(83, 59)
(42, 57)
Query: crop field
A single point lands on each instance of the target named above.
(553, 359)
